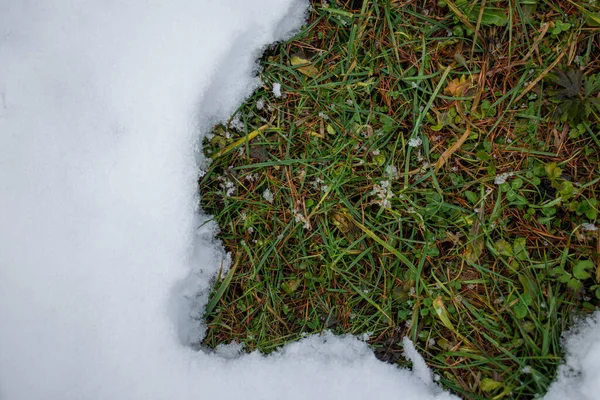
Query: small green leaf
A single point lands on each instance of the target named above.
(566, 190)
(291, 286)
(575, 285)
(580, 271)
(527, 299)
(314, 324)
(552, 171)
(387, 123)
(520, 310)
(379, 159)
(494, 17)
(483, 155)
(565, 278)
(471, 196)
(516, 183)
(504, 248)
(330, 129)
(489, 385)
(528, 326)
(520, 249)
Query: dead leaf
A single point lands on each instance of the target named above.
(448, 153)
(304, 66)
(459, 86)
(442, 313)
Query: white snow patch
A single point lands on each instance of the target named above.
(415, 142)
(106, 265)
(268, 195)
(277, 90)
(589, 227)
(579, 377)
(391, 171)
(260, 104)
(502, 178)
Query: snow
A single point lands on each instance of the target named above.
(586, 226)
(415, 142)
(277, 89)
(104, 273)
(579, 377)
(268, 195)
(106, 262)
(502, 178)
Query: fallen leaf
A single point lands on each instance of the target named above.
(442, 313)
(304, 66)
(458, 86)
(448, 153)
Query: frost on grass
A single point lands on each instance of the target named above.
(226, 186)
(502, 178)
(383, 193)
(268, 195)
(277, 90)
(391, 171)
(300, 218)
(415, 142)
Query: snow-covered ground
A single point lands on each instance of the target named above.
(103, 273)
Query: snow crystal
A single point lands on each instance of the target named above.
(227, 186)
(299, 217)
(589, 227)
(237, 123)
(268, 195)
(391, 171)
(319, 184)
(383, 192)
(415, 142)
(277, 90)
(502, 178)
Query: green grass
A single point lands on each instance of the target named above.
(387, 216)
